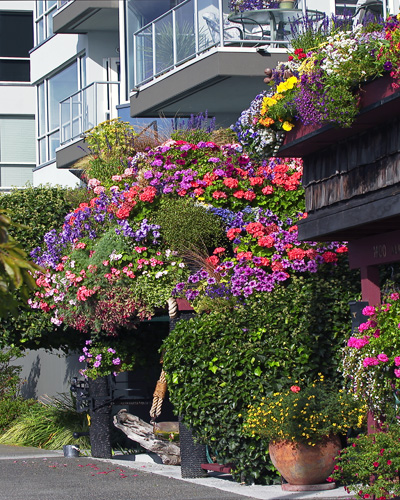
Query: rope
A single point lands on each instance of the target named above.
(158, 397)
(161, 386)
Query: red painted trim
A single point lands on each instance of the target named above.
(183, 305)
(226, 469)
(374, 250)
(370, 285)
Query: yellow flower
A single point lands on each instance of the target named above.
(287, 126)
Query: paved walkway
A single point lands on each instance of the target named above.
(32, 474)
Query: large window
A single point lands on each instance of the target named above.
(45, 10)
(16, 40)
(50, 93)
(17, 150)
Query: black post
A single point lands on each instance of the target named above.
(192, 454)
(100, 418)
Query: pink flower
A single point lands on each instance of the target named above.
(116, 178)
(376, 464)
(358, 343)
(389, 462)
(397, 372)
(370, 362)
(383, 357)
(99, 189)
(369, 311)
(395, 296)
(295, 388)
(93, 182)
(397, 360)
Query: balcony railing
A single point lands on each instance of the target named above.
(87, 108)
(184, 32)
(195, 26)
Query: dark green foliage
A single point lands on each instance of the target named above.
(216, 363)
(187, 225)
(36, 210)
(11, 404)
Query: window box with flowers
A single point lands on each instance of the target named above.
(316, 96)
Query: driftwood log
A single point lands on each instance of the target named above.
(141, 432)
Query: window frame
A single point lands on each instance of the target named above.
(45, 138)
(44, 18)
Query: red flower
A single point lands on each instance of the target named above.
(267, 190)
(231, 183)
(213, 260)
(219, 194)
(329, 257)
(295, 388)
(376, 464)
(266, 241)
(249, 195)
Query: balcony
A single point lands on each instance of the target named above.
(80, 112)
(195, 57)
(82, 16)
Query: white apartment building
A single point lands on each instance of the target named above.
(141, 59)
(17, 95)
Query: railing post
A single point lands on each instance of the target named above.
(196, 26)
(221, 23)
(174, 51)
(153, 47)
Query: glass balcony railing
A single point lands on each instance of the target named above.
(87, 108)
(194, 26)
(184, 32)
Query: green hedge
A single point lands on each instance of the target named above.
(35, 211)
(217, 363)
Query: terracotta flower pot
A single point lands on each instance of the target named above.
(301, 464)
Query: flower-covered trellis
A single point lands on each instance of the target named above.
(110, 266)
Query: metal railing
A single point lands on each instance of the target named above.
(87, 108)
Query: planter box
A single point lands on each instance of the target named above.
(352, 175)
(379, 102)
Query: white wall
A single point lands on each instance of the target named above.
(50, 174)
(25, 5)
(55, 52)
(17, 99)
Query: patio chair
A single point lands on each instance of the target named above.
(370, 8)
(232, 32)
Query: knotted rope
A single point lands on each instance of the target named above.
(161, 386)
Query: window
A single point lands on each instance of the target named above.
(16, 40)
(345, 7)
(45, 10)
(49, 94)
(17, 150)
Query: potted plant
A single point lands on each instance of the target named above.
(369, 466)
(372, 357)
(103, 359)
(303, 425)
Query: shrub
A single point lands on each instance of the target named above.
(187, 225)
(35, 211)
(217, 363)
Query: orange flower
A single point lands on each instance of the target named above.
(266, 121)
